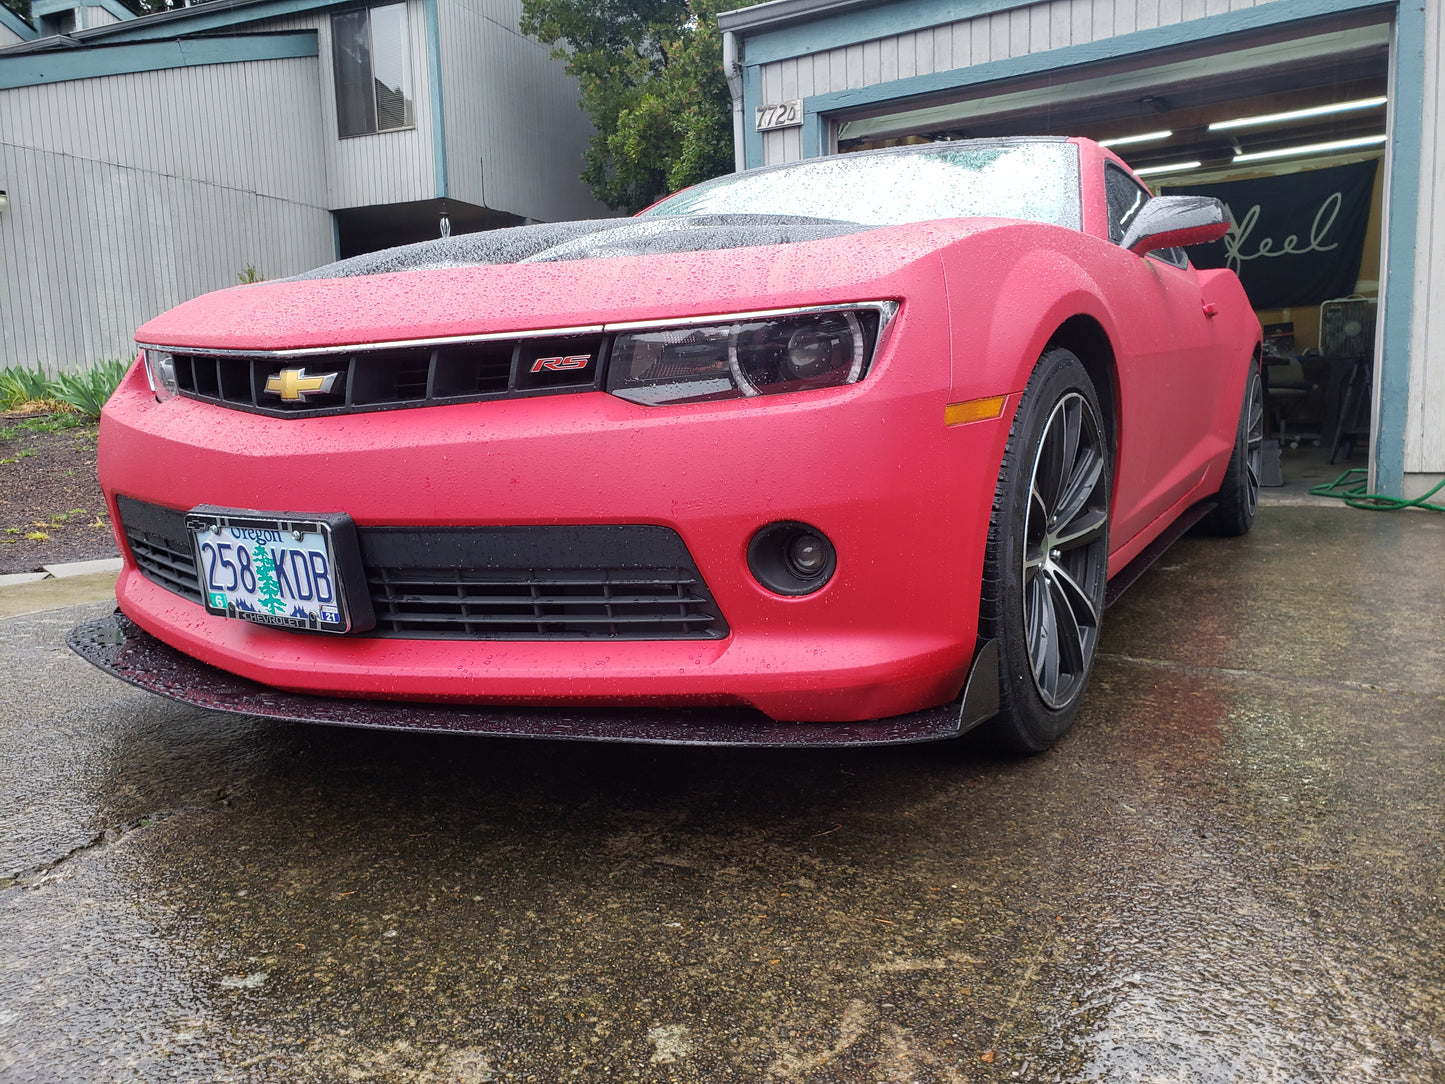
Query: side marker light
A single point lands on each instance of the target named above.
(975, 410)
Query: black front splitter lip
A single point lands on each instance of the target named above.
(121, 648)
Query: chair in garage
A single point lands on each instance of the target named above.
(1290, 395)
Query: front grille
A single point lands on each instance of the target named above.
(356, 380)
(619, 582)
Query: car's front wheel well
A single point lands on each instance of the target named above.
(1086, 339)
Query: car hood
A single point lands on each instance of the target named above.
(565, 275)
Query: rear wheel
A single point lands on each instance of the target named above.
(1239, 492)
(1048, 555)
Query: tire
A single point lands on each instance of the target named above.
(1048, 555)
(1238, 495)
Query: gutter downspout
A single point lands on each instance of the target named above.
(733, 71)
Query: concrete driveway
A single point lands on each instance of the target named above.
(1231, 870)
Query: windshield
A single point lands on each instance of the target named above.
(1037, 181)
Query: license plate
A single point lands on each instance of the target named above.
(273, 570)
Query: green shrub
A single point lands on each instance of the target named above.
(87, 390)
(19, 385)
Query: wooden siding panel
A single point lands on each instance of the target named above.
(386, 167)
(887, 59)
(186, 121)
(515, 136)
(1425, 415)
(133, 193)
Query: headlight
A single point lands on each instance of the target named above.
(763, 355)
(161, 372)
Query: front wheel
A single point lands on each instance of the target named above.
(1238, 495)
(1048, 554)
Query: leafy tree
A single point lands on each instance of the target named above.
(19, 7)
(652, 82)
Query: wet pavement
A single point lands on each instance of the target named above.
(1231, 870)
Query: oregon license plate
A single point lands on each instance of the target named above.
(273, 570)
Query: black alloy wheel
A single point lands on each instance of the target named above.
(1238, 496)
(1048, 554)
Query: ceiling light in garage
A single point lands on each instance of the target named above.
(1173, 167)
(1124, 141)
(1298, 114)
(1309, 148)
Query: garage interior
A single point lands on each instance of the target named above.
(1269, 104)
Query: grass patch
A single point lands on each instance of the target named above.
(81, 394)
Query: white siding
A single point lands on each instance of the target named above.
(1425, 420)
(515, 133)
(8, 37)
(131, 193)
(98, 17)
(1034, 28)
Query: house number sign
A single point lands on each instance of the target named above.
(782, 115)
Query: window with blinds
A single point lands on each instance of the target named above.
(371, 58)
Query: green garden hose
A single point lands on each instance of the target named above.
(1350, 488)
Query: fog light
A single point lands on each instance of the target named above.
(807, 554)
(791, 558)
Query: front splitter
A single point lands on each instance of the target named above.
(121, 648)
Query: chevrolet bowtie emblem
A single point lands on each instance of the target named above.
(294, 385)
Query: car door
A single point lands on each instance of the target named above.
(1170, 377)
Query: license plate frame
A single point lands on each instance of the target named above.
(283, 570)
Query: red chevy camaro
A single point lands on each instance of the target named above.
(847, 450)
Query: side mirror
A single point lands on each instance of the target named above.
(1174, 222)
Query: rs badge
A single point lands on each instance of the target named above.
(294, 385)
(557, 365)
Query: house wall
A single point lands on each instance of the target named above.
(98, 17)
(8, 36)
(513, 126)
(999, 35)
(384, 167)
(1425, 416)
(131, 193)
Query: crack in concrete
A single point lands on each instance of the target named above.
(104, 838)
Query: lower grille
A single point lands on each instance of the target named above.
(160, 545)
(622, 582)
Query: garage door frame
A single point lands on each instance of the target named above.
(1402, 153)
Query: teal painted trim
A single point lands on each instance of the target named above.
(851, 27)
(1406, 98)
(815, 135)
(752, 98)
(17, 26)
(434, 83)
(33, 69)
(1055, 60)
(201, 19)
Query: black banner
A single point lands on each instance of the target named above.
(1296, 239)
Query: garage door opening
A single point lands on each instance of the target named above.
(1289, 129)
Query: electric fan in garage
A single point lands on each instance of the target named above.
(1347, 327)
(1347, 334)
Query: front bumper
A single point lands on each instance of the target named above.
(904, 499)
(117, 646)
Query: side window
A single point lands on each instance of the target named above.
(371, 59)
(1124, 197)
